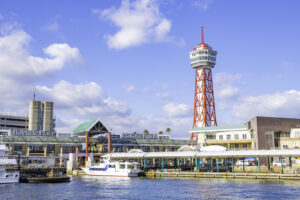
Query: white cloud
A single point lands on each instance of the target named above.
(164, 95)
(176, 109)
(16, 62)
(285, 104)
(139, 21)
(129, 88)
(225, 85)
(203, 4)
(85, 100)
(20, 71)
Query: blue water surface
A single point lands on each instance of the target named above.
(81, 188)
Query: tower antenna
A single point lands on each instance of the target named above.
(34, 94)
(202, 35)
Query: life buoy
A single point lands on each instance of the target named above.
(50, 174)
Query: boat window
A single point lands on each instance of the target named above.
(122, 166)
(111, 166)
(131, 166)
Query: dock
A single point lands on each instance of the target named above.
(224, 175)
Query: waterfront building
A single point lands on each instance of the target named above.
(232, 137)
(13, 122)
(258, 133)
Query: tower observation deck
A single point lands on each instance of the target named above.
(203, 59)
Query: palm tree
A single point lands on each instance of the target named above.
(160, 133)
(134, 133)
(146, 132)
(168, 130)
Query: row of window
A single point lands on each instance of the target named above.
(213, 53)
(237, 146)
(205, 58)
(236, 137)
(96, 169)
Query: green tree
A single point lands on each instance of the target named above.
(168, 130)
(134, 133)
(146, 132)
(160, 133)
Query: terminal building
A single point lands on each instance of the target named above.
(258, 133)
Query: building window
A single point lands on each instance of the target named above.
(220, 137)
(236, 146)
(285, 146)
(245, 146)
(228, 137)
(236, 136)
(244, 136)
(17, 148)
(50, 148)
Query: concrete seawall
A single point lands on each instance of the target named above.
(225, 175)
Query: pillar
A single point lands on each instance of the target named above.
(28, 151)
(162, 164)
(179, 165)
(86, 145)
(175, 164)
(76, 157)
(243, 165)
(11, 148)
(45, 150)
(258, 163)
(217, 160)
(145, 164)
(269, 167)
(60, 156)
(281, 164)
(232, 165)
(109, 143)
(24, 149)
(197, 163)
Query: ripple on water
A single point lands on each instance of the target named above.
(85, 187)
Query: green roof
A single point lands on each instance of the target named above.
(86, 126)
(218, 128)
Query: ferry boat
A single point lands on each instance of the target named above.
(7, 175)
(113, 168)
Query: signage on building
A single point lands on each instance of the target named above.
(140, 136)
(23, 132)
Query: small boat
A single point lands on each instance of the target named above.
(8, 173)
(113, 168)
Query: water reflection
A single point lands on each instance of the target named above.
(86, 187)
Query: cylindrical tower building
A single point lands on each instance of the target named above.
(203, 59)
(34, 122)
(48, 116)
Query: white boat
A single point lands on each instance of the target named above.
(7, 175)
(113, 168)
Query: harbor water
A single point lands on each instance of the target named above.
(84, 187)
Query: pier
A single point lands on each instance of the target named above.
(216, 164)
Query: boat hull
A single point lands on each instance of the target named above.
(9, 180)
(107, 173)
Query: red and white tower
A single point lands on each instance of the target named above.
(203, 59)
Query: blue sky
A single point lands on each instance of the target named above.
(127, 63)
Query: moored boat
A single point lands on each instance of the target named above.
(8, 174)
(113, 168)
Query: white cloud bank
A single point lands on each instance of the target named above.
(281, 104)
(20, 71)
(177, 109)
(139, 21)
